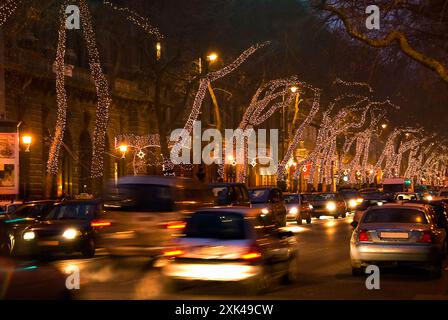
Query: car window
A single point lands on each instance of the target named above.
(76, 211)
(324, 197)
(216, 225)
(237, 195)
(31, 211)
(259, 195)
(395, 215)
(292, 198)
(140, 198)
(245, 194)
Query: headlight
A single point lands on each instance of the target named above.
(70, 234)
(429, 198)
(310, 206)
(359, 200)
(331, 206)
(29, 235)
(265, 211)
(293, 210)
(352, 203)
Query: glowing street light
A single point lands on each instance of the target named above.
(26, 139)
(294, 89)
(212, 57)
(384, 126)
(123, 149)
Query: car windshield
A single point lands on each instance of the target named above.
(259, 195)
(75, 211)
(291, 198)
(324, 197)
(375, 195)
(395, 215)
(350, 194)
(32, 211)
(230, 226)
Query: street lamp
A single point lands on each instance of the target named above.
(159, 50)
(26, 140)
(294, 89)
(123, 149)
(212, 57)
(384, 126)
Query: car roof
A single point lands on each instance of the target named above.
(221, 184)
(234, 209)
(39, 202)
(405, 205)
(157, 180)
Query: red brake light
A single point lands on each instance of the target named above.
(175, 225)
(253, 253)
(173, 253)
(100, 223)
(363, 235)
(426, 237)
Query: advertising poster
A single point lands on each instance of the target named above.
(9, 163)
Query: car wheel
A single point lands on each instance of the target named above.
(336, 216)
(88, 251)
(260, 284)
(344, 215)
(308, 220)
(291, 275)
(299, 220)
(357, 271)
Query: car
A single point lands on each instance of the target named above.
(233, 244)
(9, 207)
(352, 198)
(398, 234)
(328, 204)
(443, 193)
(12, 224)
(371, 199)
(230, 194)
(270, 200)
(297, 207)
(406, 196)
(146, 212)
(71, 226)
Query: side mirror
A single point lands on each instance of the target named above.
(354, 224)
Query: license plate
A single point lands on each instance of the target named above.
(394, 235)
(48, 243)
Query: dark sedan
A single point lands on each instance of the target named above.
(328, 204)
(12, 224)
(71, 226)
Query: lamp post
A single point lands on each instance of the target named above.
(26, 141)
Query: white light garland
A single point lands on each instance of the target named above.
(7, 8)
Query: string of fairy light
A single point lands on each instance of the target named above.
(61, 97)
(136, 19)
(7, 8)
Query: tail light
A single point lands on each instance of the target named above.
(175, 225)
(172, 253)
(426, 237)
(252, 254)
(100, 223)
(363, 236)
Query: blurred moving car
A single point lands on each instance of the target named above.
(398, 234)
(369, 200)
(328, 204)
(147, 212)
(28, 281)
(70, 226)
(406, 196)
(230, 194)
(232, 244)
(12, 224)
(270, 200)
(297, 207)
(352, 198)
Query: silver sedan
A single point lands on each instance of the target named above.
(398, 234)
